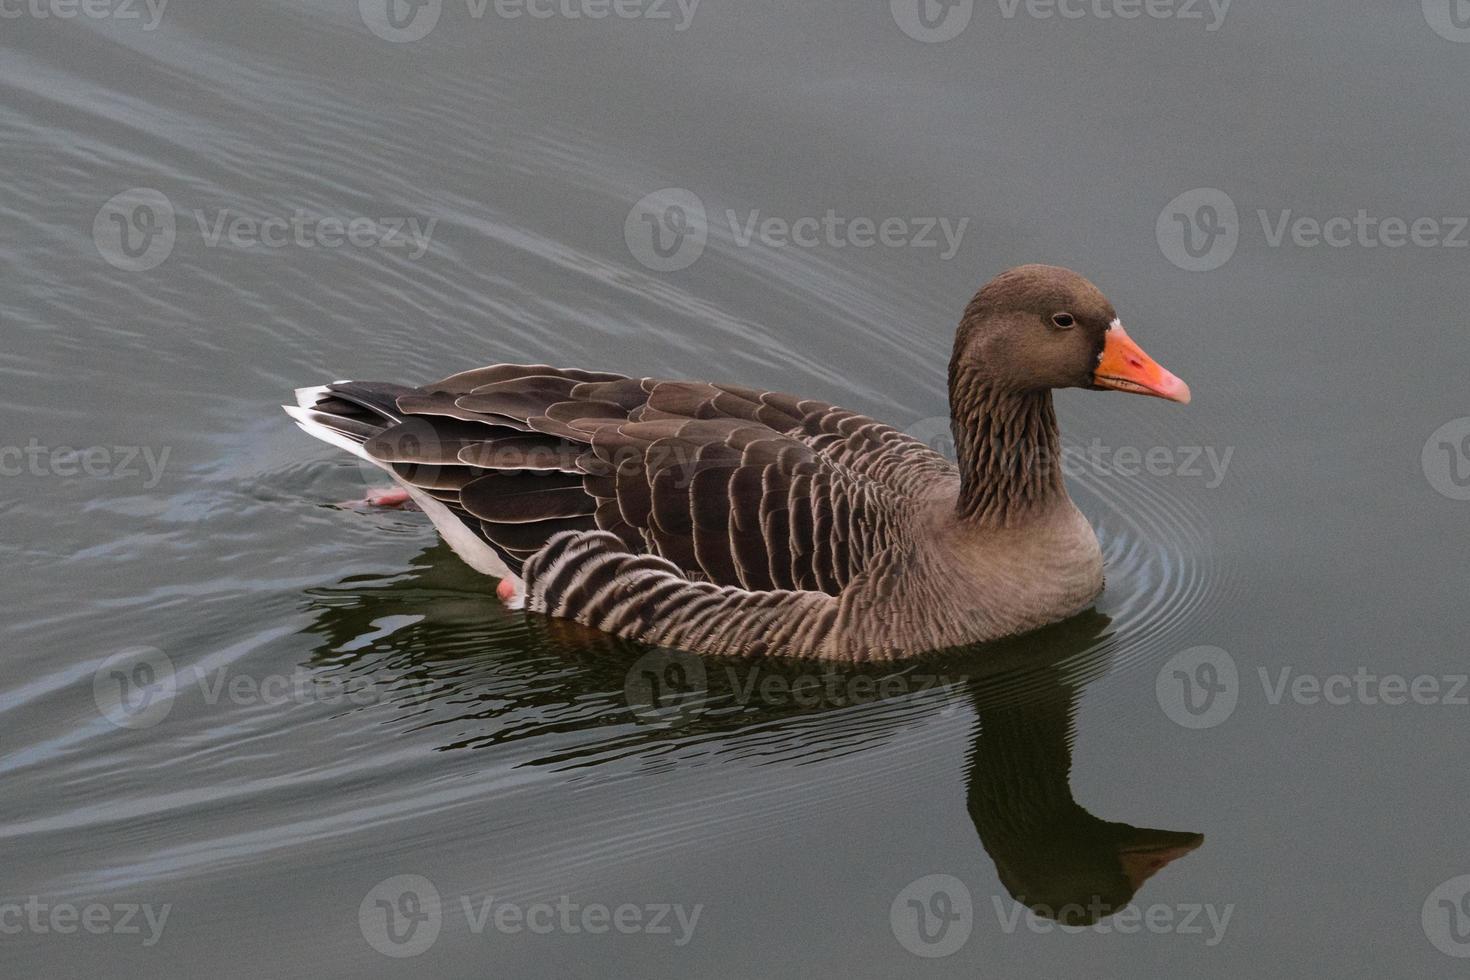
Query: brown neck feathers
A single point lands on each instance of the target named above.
(1009, 451)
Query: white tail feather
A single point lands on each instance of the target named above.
(470, 547)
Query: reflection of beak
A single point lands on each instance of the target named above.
(1125, 367)
(1142, 862)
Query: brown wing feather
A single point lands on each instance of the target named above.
(728, 484)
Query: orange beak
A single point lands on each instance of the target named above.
(1125, 367)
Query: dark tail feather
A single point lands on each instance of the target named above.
(378, 397)
(347, 413)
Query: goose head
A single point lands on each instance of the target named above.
(1038, 327)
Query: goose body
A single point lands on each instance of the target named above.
(725, 519)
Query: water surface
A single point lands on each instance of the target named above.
(351, 705)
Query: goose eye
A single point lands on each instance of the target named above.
(1064, 320)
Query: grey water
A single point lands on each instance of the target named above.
(247, 730)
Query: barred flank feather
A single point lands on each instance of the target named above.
(592, 579)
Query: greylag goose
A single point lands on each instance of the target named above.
(723, 519)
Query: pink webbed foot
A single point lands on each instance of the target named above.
(509, 592)
(393, 497)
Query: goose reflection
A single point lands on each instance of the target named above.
(493, 679)
(1052, 855)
